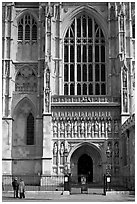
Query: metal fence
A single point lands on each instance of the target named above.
(56, 183)
(35, 182)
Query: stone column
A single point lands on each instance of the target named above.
(7, 146)
(47, 116)
(7, 90)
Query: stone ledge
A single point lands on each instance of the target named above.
(120, 192)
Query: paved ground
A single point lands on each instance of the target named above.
(57, 197)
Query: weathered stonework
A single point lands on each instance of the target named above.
(67, 126)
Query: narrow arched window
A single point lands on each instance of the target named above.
(84, 58)
(27, 28)
(30, 129)
(133, 31)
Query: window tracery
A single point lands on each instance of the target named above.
(84, 58)
(27, 28)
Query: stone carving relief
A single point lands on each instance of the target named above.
(82, 125)
(26, 80)
(116, 153)
(60, 152)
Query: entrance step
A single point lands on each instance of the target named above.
(89, 191)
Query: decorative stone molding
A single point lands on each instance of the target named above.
(82, 124)
(130, 122)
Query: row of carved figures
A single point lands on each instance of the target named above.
(83, 127)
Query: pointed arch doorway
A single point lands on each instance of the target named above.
(85, 167)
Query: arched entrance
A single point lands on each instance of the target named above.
(85, 159)
(85, 167)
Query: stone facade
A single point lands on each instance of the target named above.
(68, 86)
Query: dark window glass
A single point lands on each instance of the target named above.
(67, 34)
(90, 87)
(97, 89)
(66, 53)
(78, 53)
(102, 35)
(103, 72)
(84, 53)
(30, 129)
(20, 32)
(97, 72)
(84, 27)
(102, 53)
(71, 33)
(78, 27)
(71, 53)
(96, 53)
(73, 27)
(66, 72)
(90, 53)
(34, 32)
(78, 72)
(89, 27)
(66, 89)
(97, 33)
(133, 31)
(27, 32)
(84, 72)
(90, 73)
(103, 89)
(84, 89)
(71, 89)
(78, 89)
(72, 72)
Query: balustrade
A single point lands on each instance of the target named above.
(84, 99)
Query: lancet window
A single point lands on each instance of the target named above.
(84, 58)
(30, 129)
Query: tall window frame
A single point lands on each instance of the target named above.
(84, 58)
(27, 28)
(30, 129)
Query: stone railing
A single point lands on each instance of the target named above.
(84, 99)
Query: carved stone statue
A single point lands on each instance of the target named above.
(103, 127)
(96, 126)
(109, 126)
(115, 126)
(62, 126)
(89, 127)
(82, 126)
(47, 99)
(55, 149)
(55, 127)
(62, 149)
(69, 127)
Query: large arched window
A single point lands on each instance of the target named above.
(30, 129)
(84, 58)
(27, 28)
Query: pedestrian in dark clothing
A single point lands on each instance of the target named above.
(15, 186)
(22, 188)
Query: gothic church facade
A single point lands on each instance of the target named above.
(68, 74)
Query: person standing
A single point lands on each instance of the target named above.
(22, 188)
(15, 186)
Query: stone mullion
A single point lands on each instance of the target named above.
(58, 156)
(39, 62)
(7, 59)
(110, 43)
(3, 56)
(130, 58)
